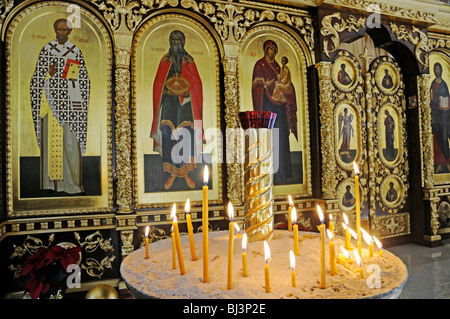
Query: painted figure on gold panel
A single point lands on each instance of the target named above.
(348, 200)
(272, 91)
(343, 76)
(440, 120)
(391, 195)
(346, 132)
(59, 92)
(390, 153)
(177, 109)
(387, 81)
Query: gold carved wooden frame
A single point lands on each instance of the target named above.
(210, 64)
(101, 85)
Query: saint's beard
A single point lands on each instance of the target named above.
(177, 53)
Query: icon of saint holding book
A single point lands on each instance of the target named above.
(59, 93)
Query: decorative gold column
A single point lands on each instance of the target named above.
(123, 128)
(431, 197)
(371, 119)
(426, 132)
(329, 182)
(233, 143)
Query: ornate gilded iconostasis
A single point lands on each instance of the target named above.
(87, 119)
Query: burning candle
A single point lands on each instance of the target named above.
(295, 231)
(205, 226)
(266, 266)
(187, 208)
(379, 245)
(331, 223)
(347, 232)
(176, 231)
(332, 253)
(291, 205)
(146, 242)
(174, 251)
(230, 246)
(369, 241)
(321, 228)
(359, 262)
(244, 255)
(292, 260)
(344, 259)
(358, 213)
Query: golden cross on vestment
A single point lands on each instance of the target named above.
(366, 57)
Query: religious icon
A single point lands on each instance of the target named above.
(346, 131)
(440, 112)
(390, 153)
(391, 195)
(387, 77)
(273, 91)
(177, 108)
(387, 80)
(348, 200)
(59, 93)
(343, 76)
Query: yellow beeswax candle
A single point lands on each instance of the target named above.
(174, 252)
(359, 262)
(266, 266)
(146, 243)
(321, 228)
(331, 223)
(379, 245)
(358, 213)
(190, 230)
(177, 240)
(291, 204)
(369, 241)
(205, 226)
(244, 256)
(292, 262)
(332, 253)
(295, 231)
(230, 246)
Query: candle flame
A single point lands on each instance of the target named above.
(356, 168)
(187, 207)
(205, 175)
(244, 242)
(173, 215)
(266, 252)
(345, 218)
(294, 215)
(352, 232)
(357, 258)
(330, 234)
(330, 217)
(319, 210)
(377, 242)
(345, 252)
(147, 229)
(366, 236)
(292, 259)
(171, 229)
(238, 229)
(290, 200)
(230, 211)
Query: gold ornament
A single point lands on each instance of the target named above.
(102, 291)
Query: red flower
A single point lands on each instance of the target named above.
(46, 270)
